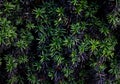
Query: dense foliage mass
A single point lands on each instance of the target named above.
(59, 42)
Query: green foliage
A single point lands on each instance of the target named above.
(74, 56)
(51, 74)
(11, 63)
(60, 12)
(94, 45)
(113, 19)
(67, 71)
(25, 39)
(58, 42)
(12, 80)
(108, 46)
(59, 59)
(75, 28)
(105, 31)
(8, 6)
(43, 57)
(39, 12)
(69, 42)
(22, 59)
(32, 78)
(7, 32)
(115, 70)
(30, 25)
(38, 66)
(84, 46)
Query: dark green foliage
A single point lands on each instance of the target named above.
(59, 42)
